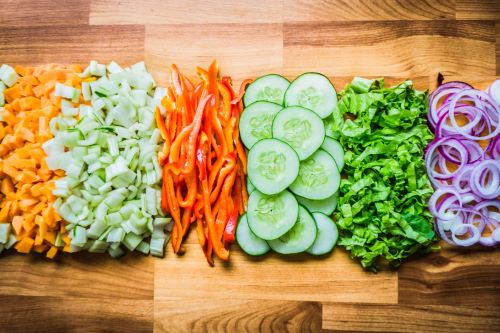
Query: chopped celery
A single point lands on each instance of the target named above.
(111, 192)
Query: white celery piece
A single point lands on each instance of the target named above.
(8, 75)
(2, 99)
(111, 192)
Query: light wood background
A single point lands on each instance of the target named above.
(451, 290)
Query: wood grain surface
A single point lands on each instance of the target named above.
(448, 291)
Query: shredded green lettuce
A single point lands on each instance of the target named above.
(382, 210)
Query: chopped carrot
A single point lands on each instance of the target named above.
(25, 245)
(26, 199)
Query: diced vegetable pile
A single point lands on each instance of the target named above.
(28, 217)
(382, 209)
(283, 128)
(108, 147)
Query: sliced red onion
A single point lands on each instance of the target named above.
(466, 204)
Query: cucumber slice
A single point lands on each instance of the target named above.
(299, 238)
(270, 217)
(248, 241)
(334, 148)
(250, 187)
(313, 91)
(327, 235)
(256, 122)
(326, 206)
(300, 128)
(272, 166)
(318, 177)
(268, 88)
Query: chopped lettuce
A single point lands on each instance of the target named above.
(382, 211)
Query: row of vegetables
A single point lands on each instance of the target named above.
(101, 159)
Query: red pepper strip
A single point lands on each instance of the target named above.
(198, 208)
(215, 171)
(201, 234)
(242, 155)
(202, 73)
(237, 189)
(173, 208)
(216, 125)
(171, 123)
(186, 220)
(224, 172)
(218, 248)
(226, 80)
(163, 154)
(243, 192)
(227, 202)
(243, 87)
(213, 71)
(221, 220)
(226, 100)
(160, 122)
(175, 148)
(208, 251)
(164, 194)
(188, 83)
(175, 238)
(191, 185)
(176, 80)
(230, 230)
(171, 94)
(229, 132)
(215, 147)
(191, 148)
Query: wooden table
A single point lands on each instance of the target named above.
(446, 291)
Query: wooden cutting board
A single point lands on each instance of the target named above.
(450, 290)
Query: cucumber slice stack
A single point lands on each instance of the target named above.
(293, 167)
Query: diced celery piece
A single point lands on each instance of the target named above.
(99, 246)
(79, 236)
(115, 235)
(131, 241)
(8, 75)
(157, 246)
(143, 247)
(64, 91)
(11, 241)
(116, 252)
(96, 229)
(4, 232)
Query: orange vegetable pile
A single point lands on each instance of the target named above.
(203, 160)
(26, 199)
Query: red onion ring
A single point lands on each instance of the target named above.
(481, 97)
(479, 175)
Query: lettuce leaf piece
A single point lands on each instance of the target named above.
(382, 211)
